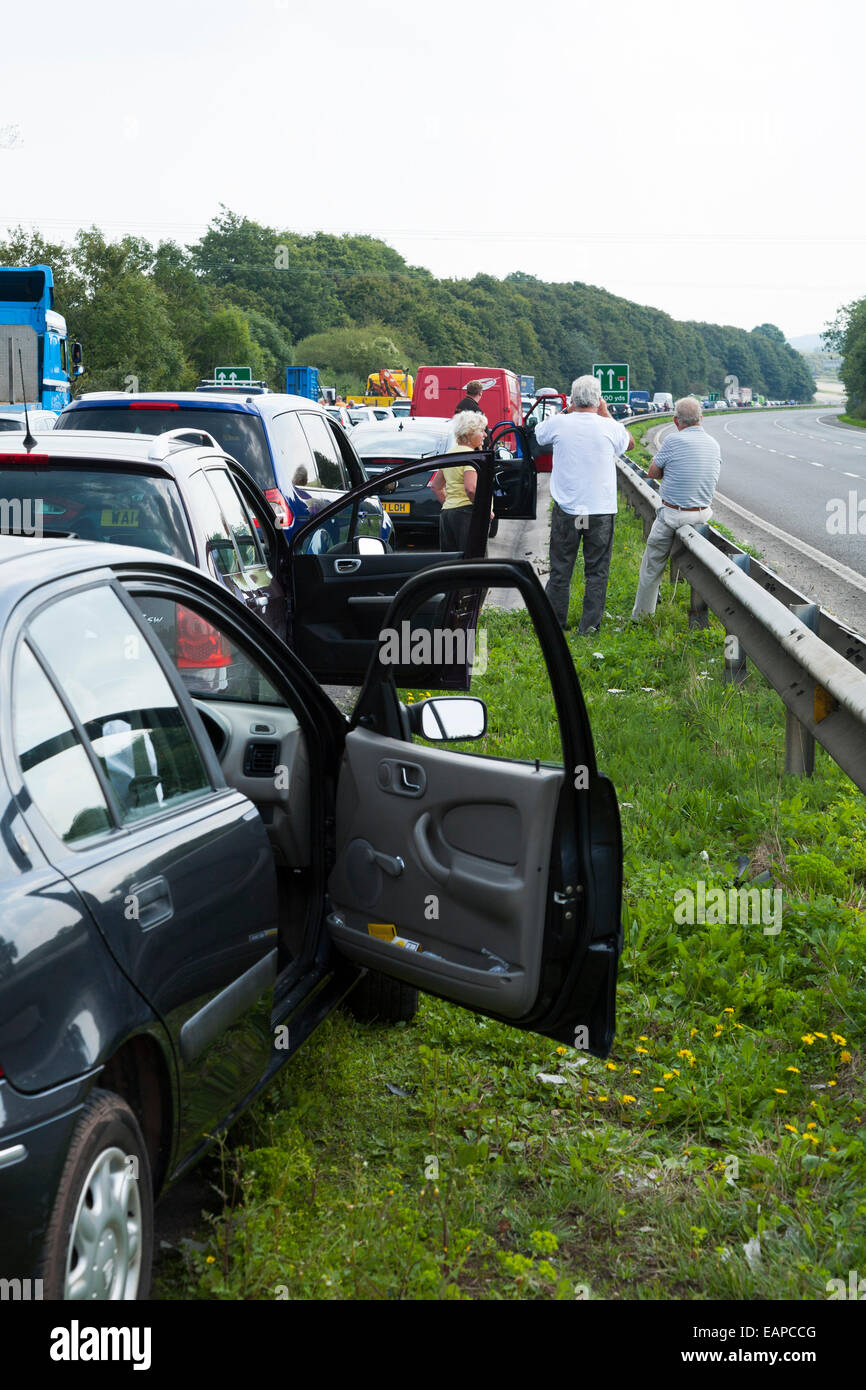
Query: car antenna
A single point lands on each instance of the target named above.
(29, 441)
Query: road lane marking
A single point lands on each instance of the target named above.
(850, 576)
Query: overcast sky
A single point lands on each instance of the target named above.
(703, 158)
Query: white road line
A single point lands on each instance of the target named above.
(850, 576)
(851, 475)
(816, 465)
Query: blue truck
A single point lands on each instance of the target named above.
(36, 363)
(639, 402)
(303, 381)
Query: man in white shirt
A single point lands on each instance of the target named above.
(586, 443)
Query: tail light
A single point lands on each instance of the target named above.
(153, 405)
(24, 458)
(282, 510)
(198, 644)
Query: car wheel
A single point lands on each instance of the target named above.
(379, 999)
(99, 1242)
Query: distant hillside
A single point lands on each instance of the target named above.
(821, 363)
(264, 297)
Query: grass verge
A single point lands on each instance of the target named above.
(718, 1153)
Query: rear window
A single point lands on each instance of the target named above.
(392, 442)
(241, 435)
(95, 504)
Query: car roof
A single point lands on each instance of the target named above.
(273, 403)
(27, 562)
(110, 446)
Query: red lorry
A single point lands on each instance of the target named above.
(439, 389)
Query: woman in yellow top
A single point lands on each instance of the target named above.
(455, 487)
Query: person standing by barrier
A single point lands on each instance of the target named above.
(586, 443)
(688, 464)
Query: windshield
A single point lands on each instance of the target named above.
(93, 503)
(239, 434)
(410, 442)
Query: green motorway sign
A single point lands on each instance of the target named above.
(232, 376)
(613, 377)
(713, 396)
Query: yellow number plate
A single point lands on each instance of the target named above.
(123, 516)
(402, 507)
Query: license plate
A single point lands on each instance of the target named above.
(120, 516)
(401, 507)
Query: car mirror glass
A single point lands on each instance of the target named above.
(452, 718)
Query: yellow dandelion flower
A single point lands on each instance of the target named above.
(792, 1128)
(643, 1050)
(727, 1011)
(211, 1259)
(611, 1066)
(838, 1039)
(808, 1039)
(601, 1097)
(629, 1100)
(739, 1025)
(635, 1071)
(821, 1035)
(561, 1051)
(643, 1038)
(779, 1091)
(658, 1088)
(832, 1083)
(794, 1069)
(814, 1138)
(833, 1149)
(844, 1056)
(693, 1033)
(811, 1125)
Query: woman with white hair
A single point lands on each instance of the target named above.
(455, 487)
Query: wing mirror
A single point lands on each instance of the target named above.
(449, 717)
(371, 545)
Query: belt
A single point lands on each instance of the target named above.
(677, 508)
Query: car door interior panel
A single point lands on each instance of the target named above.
(460, 868)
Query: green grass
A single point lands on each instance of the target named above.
(731, 1109)
(853, 420)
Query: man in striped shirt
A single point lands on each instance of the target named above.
(688, 464)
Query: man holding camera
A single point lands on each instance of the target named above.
(586, 442)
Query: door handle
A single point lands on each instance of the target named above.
(153, 904)
(346, 566)
(401, 779)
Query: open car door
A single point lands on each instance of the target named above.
(343, 579)
(492, 882)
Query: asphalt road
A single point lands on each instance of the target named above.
(787, 478)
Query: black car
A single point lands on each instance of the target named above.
(190, 881)
(412, 506)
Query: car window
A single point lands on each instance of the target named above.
(210, 663)
(296, 462)
(325, 451)
(221, 549)
(114, 683)
(238, 433)
(234, 513)
(95, 503)
(54, 765)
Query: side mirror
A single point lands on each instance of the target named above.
(77, 355)
(449, 717)
(371, 545)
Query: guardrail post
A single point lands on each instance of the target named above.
(735, 658)
(799, 742)
(698, 612)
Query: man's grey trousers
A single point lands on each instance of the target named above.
(565, 537)
(658, 547)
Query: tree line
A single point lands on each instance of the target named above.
(847, 336)
(250, 295)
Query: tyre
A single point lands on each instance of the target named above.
(379, 999)
(99, 1241)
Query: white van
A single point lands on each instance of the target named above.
(663, 401)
